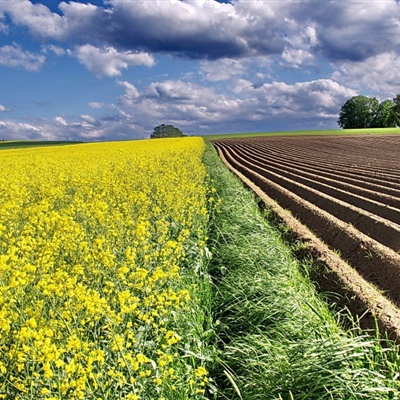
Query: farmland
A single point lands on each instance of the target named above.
(277, 338)
(345, 189)
(95, 293)
(145, 270)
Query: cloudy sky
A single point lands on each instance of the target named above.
(114, 69)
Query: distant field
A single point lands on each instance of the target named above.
(371, 131)
(16, 144)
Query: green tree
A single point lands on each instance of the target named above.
(396, 111)
(358, 112)
(385, 116)
(166, 131)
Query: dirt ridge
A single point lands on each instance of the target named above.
(368, 238)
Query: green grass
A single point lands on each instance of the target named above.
(17, 144)
(330, 132)
(276, 337)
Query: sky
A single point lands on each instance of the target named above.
(115, 69)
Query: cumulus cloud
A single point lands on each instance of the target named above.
(60, 120)
(181, 103)
(194, 29)
(201, 108)
(13, 56)
(39, 20)
(242, 47)
(353, 31)
(108, 61)
(12, 130)
(321, 97)
(376, 75)
(208, 29)
(3, 25)
(57, 50)
(130, 90)
(299, 50)
(223, 69)
(2, 108)
(60, 128)
(211, 30)
(196, 109)
(88, 119)
(95, 104)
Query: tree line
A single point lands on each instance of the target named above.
(368, 112)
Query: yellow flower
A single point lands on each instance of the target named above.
(93, 240)
(200, 371)
(131, 396)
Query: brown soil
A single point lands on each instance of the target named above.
(340, 195)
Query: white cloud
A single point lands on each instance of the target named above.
(208, 29)
(241, 45)
(60, 120)
(12, 130)
(85, 22)
(13, 56)
(40, 21)
(3, 26)
(298, 57)
(130, 90)
(301, 41)
(108, 61)
(355, 30)
(180, 27)
(180, 92)
(95, 104)
(88, 118)
(242, 85)
(57, 50)
(222, 70)
(378, 74)
(178, 102)
(195, 28)
(2, 108)
(321, 97)
(62, 129)
(195, 109)
(192, 106)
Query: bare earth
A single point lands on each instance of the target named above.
(340, 195)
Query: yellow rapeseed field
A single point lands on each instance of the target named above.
(94, 239)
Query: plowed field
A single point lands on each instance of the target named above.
(345, 189)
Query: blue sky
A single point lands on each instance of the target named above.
(114, 69)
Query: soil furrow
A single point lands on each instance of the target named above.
(377, 228)
(343, 162)
(380, 193)
(335, 275)
(383, 205)
(367, 255)
(346, 191)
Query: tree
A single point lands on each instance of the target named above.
(396, 111)
(385, 116)
(166, 131)
(358, 112)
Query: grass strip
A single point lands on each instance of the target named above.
(277, 338)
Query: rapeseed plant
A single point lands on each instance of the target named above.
(94, 242)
